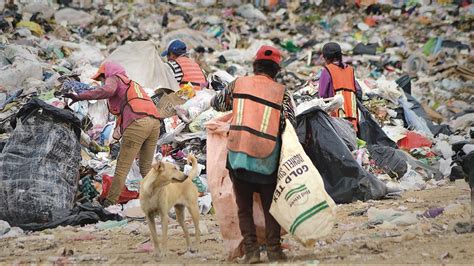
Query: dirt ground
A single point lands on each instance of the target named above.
(354, 240)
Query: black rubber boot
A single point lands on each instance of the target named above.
(275, 253)
(252, 257)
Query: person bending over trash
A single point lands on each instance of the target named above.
(185, 70)
(338, 78)
(260, 106)
(137, 122)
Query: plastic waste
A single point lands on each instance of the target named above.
(197, 125)
(248, 11)
(46, 142)
(73, 17)
(195, 106)
(445, 166)
(333, 104)
(389, 215)
(412, 180)
(347, 182)
(433, 212)
(146, 66)
(414, 140)
(23, 64)
(132, 182)
(369, 129)
(110, 224)
(205, 204)
(443, 148)
(6, 231)
(345, 131)
(32, 26)
(413, 120)
(391, 160)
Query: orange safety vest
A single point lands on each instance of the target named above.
(192, 73)
(343, 82)
(255, 125)
(136, 98)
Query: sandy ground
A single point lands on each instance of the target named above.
(354, 240)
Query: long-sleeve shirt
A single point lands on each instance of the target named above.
(111, 87)
(223, 102)
(176, 69)
(326, 88)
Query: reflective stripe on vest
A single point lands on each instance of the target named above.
(137, 99)
(257, 105)
(344, 84)
(192, 72)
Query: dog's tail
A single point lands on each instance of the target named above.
(194, 170)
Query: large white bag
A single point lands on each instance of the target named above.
(300, 204)
(143, 64)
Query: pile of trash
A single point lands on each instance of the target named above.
(413, 62)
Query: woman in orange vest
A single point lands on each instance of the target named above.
(137, 122)
(185, 70)
(259, 106)
(338, 78)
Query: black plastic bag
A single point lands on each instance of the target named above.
(369, 49)
(344, 179)
(369, 129)
(391, 160)
(39, 165)
(80, 215)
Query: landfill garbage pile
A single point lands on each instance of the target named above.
(413, 62)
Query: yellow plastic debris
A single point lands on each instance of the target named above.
(34, 27)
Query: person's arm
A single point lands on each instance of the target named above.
(104, 92)
(289, 108)
(177, 71)
(326, 89)
(222, 102)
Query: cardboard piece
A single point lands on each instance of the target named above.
(166, 104)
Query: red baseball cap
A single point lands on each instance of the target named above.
(269, 53)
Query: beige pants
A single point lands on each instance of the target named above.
(140, 138)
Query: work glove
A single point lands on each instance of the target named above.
(73, 97)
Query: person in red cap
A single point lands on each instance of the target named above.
(260, 106)
(137, 124)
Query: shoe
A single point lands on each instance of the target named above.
(276, 254)
(252, 257)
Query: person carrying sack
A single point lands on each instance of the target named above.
(338, 78)
(137, 124)
(259, 107)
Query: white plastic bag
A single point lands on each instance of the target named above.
(248, 11)
(195, 106)
(145, 66)
(300, 204)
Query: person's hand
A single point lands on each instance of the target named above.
(73, 97)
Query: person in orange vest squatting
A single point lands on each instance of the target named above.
(260, 106)
(185, 70)
(338, 78)
(137, 122)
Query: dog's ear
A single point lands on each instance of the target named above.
(157, 166)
